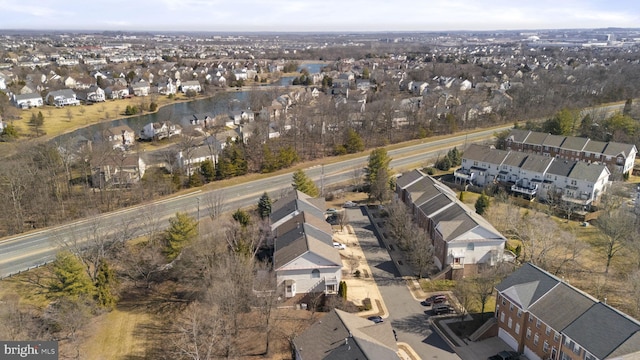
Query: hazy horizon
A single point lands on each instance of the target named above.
(291, 16)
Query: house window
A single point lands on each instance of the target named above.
(504, 302)
(538, 323)
(530, 318)
(576, 349)
(517, 328)
(470, 246)
(535, 339)
(510, 323)
(545, 346)
(556, 337)
(315, 274)
(589, 357)
(519, 313)
(548, 330)
(528, 333)
(502, 316)
(289, 289)
(511, 307)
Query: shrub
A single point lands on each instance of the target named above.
(366, 304)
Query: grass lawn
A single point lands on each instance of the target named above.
(120, 334)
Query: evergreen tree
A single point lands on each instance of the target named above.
(353, 142)
(455, 157)
(287, 156)
(302, 182)
(182, 230)
(241, 217)
(482, 203)
(208, 170)
(377, 166)
(36, 121)
(342, 290)
(70, 280)
(105, 283)
(264, 206)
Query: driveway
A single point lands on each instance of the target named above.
(406, 314)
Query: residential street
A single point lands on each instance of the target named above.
(406, 314)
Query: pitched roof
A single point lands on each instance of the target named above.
(301, 240)
(561, 167)
(408, 178)
(601, 330)
(536, 163)
(575, 143)
(561, 306)
(526, 285)
(588, 172)
(615, 149)
(344, 336)
(295, 201)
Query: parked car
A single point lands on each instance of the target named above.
(331, 211)
(333, 219)
(376, 319)
(435, 299)
(339, 246)
(505, 355)
(350, 204)
(440, 309)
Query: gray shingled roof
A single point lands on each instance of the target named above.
(561, 306)
(561, 167)
(303, 239)
(343, 336)
(587, 172)
(518, 135)
(575, 143)
(601, 330)
(294, 201)
(537, 163)
(27, 96)
(408, 178)
(527, 284)
(515, 158)
(435, 204)
(553, 140)
(536, 138)
(594, 146)
(615, 149)
(476, 152)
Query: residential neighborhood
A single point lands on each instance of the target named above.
(360, 195)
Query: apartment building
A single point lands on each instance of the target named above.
(545, 318)
(619, 157)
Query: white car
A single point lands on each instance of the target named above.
(350, 204)
(339, 246)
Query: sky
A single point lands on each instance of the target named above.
(317, 15)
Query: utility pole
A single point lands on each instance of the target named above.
(322, 180)
(198, 204)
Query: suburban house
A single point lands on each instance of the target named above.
(120, 137)
(545, 318)
(463, 241)
(620, 157)
(93, 94)
(188, 160)
(27, 101)
(166, 87)
(140, 88)
(341, 335)
(534, 176)
(116, 92)
(193, 85)
(159, 131)
(241, 116)
(119, 170)
(304, 259)
(62, 97)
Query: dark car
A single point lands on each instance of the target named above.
(435, 299)
(376, 319)
(505, 355)
(440, 309)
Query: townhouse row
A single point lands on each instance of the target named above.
(545, 318)
(534, 176)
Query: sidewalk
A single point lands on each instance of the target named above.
(365, 286)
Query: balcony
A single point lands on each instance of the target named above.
(530, 190)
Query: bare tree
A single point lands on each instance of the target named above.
(616, 231)
(215, 202)
(197, 332)
(420, 250)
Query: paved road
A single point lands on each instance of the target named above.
(405, 313)
(20, 253)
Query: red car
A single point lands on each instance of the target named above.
(435, 299)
